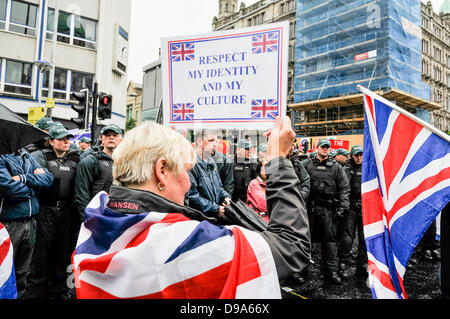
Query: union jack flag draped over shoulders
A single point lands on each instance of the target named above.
(161, 255)
(8, 288)
(405, 184)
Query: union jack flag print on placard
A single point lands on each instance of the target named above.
(264, 108)
(167, 255)
(265, 42)
(405, 184)
(8, 288)
(183, 112)
(182, 52)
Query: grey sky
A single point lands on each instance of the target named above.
(153, 19)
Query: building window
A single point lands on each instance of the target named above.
(59, 84)
(18, 77)
(424, 67)
(73, 29)
(81, 81)
(424, 46)
(437, 54)
(2, 14)
(84, 32)
(436, 30)
(64, 23)
(129, 111)
(23, 17)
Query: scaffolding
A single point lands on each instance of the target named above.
(343, 43)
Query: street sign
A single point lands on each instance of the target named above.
(233, 79)
(50, 103)
(35, 114)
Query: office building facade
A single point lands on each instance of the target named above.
(92, 46)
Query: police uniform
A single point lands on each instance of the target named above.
(244, 171)
(353, 221)
(57, 225)
(94, 173)
(327, 202)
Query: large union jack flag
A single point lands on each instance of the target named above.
(262, 108)
(265, 42)
(405, 184)
(183, 112)
(182, 52)
(8, 288)
(167, 255)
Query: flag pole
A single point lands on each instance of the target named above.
(405, 113)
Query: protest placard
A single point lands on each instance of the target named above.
(234, 79)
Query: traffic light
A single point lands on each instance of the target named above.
(104, 106)
(82, 108)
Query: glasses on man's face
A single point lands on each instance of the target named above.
(326, 146)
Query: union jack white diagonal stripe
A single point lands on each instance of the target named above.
(160, 255)
(262, 108)
(182, 52)
(8, 288)
(265, 42)
(183, 112)
(405, 184)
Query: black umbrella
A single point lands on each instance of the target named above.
(15, 132)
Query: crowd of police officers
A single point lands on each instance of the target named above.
(79, 172)
(330, 184)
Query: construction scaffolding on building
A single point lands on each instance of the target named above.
(343, 43)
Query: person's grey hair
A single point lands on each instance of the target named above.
(135, 157)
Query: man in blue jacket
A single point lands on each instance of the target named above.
(21, 180)
(207, 193)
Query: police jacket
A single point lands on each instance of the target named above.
(354, 176)
(303, 176)
(329, 183)
(94, 174)
(91, 150)
(244, 171)
(225, 170)
(63, 170)
(206, 193)
(19, 199)
(287, 233)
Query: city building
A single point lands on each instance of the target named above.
(265, 11)
(152, 92)
(341, 44)
(436, 60)
(92, 46)
(134, 102)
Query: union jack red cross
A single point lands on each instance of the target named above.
(264, 108)
(183, 112)
(265, 42)
(182, 52)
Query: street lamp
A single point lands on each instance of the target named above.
(43, 66)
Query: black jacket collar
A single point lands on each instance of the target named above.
(133, 201)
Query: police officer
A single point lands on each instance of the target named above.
(353, 220)
(94, 173)
(300, 171)
(327, 203)
(85, 143)
(35, 148)
(224, 168)
(341, 156)
(58, 222)
(244, 170)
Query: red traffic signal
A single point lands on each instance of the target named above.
(104, 106)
